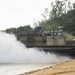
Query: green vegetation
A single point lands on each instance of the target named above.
(21, 29)
(68, 36)
(62, 14)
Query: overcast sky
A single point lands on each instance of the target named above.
(15, 13)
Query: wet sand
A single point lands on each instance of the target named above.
(64, 68)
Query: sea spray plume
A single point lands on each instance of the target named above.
(13, 51)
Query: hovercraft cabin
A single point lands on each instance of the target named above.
(46, 38)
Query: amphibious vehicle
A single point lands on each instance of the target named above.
(49, 41)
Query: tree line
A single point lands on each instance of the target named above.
(62, 14)
(19, 30)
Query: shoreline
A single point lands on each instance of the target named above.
(38, 69)
(61, 68)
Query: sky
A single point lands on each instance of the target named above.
(15, 13)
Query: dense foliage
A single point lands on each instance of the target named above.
(21, 29)
(62, 14)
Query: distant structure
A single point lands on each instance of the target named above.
(53, 37)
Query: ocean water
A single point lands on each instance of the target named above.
(15, 69)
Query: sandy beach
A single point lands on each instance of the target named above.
(64, 68)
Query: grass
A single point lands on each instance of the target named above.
(68, 36)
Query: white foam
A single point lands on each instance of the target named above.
(13, 51)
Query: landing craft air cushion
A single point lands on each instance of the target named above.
(49, 41)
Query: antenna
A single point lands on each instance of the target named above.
(34, 23)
